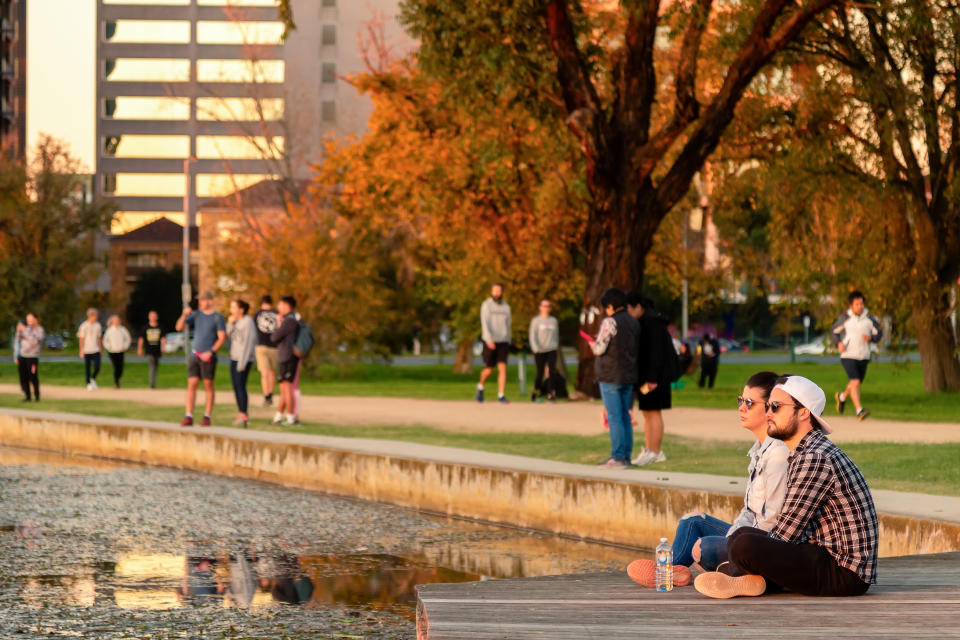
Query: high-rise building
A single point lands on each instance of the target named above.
(13, 77)
(214, 81)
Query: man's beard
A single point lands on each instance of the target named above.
(785, 432)
(497, 298)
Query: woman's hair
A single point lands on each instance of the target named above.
(765, 381)
(613, 297)
(244, 306)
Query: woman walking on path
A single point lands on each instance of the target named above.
(26, 355)
(116, 340)
(243, 339)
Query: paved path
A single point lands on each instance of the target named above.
(575, 418)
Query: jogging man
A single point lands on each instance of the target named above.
(90, 334)
(853, 332)
(825, 540)
(265, 320)
(495, 334)
(209, 333)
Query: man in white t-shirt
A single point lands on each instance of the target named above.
(90, 336)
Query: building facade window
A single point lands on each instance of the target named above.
(146, 259)
(328, 35)
(328, 72)
(328, 111)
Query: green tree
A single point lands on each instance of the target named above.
(47, 234)
(865, 192)
(625, 80)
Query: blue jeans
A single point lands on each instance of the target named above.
(710, 531)
(239, 381)
(617, 400)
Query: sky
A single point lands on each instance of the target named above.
(61, 54)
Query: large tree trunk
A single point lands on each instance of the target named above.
(619, 235)
(938, 350)
(464, 360)
(938, 347)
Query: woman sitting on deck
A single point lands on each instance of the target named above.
(702, 538)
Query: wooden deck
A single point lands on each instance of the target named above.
(918, 597)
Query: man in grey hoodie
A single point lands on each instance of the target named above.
(495, 334)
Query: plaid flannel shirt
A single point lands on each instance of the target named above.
(829, 504)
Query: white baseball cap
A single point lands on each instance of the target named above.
(811, 396)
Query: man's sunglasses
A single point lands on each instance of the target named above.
(750, 402)
(773, 407)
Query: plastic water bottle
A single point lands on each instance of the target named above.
(664, 566)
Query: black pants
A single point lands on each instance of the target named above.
(91, 361)
(802, 568)
(546, 373)
(116, 359)
(239, 381)
(708, 371)
(28, 370)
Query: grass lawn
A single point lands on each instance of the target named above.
(918, 468)
(892, 391)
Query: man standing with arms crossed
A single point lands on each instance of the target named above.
(265, 320)
(825, 539)
(495, 334)
(853, 332)
(209, 333)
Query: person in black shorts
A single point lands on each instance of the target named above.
(495, 334)
(653, 388)
(284, 337)
(854, 332)
(209, 334)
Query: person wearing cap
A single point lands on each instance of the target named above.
(825, 540)
(209, 333)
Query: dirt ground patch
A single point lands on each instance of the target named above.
(571, 418)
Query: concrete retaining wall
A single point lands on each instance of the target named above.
(611, 511)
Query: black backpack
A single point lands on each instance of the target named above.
(671, 359)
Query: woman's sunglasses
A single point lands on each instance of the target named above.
(747, 401)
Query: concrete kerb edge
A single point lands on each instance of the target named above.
(610, 509)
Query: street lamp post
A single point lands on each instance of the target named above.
(185, 292)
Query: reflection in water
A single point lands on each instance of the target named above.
(125, 542)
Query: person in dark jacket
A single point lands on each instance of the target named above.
(709, 351)
(284, 336)
(654, 375)
(616, 372)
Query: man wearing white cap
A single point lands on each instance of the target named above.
(825, 540)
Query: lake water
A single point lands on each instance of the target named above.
(95, 549)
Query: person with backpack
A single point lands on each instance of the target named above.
(284, 336)
(658, 366)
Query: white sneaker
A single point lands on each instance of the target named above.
(277, 419)
(649, 457)
(89, 386)
(290, 421)
(93, 385)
